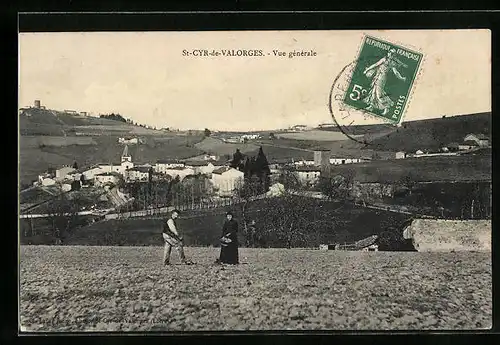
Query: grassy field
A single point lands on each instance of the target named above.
(203, 227)
(434, 133)
(444, 168)
(33, 142)
(126, 289)
(315, 135)
(217, 146)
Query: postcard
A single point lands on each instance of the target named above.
(255, 180)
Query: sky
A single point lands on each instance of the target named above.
(145, 77)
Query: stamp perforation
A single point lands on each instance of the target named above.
(419, 70)
(415, 77)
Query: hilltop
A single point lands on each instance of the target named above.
(41, 122)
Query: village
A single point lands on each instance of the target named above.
(223, 178)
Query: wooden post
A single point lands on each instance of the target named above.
(472, 210)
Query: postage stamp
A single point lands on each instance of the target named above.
(382, 79)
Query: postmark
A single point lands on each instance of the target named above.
(382, 79)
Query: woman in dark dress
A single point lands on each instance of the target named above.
(229, 241)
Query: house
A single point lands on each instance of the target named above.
(226, 180)
(205, 157)
(205, 167)
(111, 167)
(250, 137)
(181, 172)
(298, 128)
(63, 172)
(304, 162)
(137, 173)
(162, 165)
(66, 185)
(480, 139)
(233, 140)
(400, 155)
(419, 152)
(128, 140)
(308, 175)
(48, 182)
(344, 160)
(107, 177)
(89, 174)
(75, 175)
(196, 165)
(468, 145)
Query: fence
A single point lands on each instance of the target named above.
(203, 205)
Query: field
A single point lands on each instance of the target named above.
(217, 146)
(126, 289)
(315, 134)
(433, 133)
(30, 142)
(452, 168)
(203, 228)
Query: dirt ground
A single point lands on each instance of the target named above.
(127, 289)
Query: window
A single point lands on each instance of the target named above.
(343, 161)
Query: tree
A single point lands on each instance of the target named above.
(272, 136)
(261, 169)
(290, 180)
(76, 185)
(63, 214)
(237, 160)
(293, 220)
(75, 165)
(408, 181)
(207, 132)
(339, 186)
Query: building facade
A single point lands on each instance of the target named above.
(226, 180)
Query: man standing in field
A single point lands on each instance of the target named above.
(173, 239)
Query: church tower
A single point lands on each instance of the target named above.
(126, 159)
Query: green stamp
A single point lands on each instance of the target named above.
(382, 79)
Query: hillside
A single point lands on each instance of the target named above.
(39, 122)
(441, 168)
(53, 139)
(433, 133)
